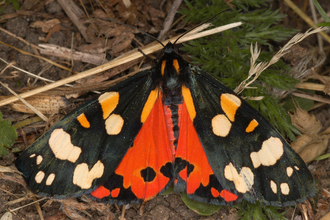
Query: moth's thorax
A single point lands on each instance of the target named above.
(170, 72)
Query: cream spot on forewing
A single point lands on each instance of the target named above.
(50, 179)
(60, 143)
(221, 125)
(84, 177)
(39, 176)
(243, 181)
(39, 159)
(32, 155)
(229, 104)
(114, 124)
(273, 186)
(297, 168)
(285, 189)
(289, 171)
(255, 159)
(270, 152)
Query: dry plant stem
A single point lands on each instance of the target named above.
(39, 57)
(169, 19)
(257, 69)
(13, 210)
(86, 12)
(306, 18)
(38, 208)
(13, 202)
(26, 103)
(318, 76)
(19, 38)
(312, 97)
(319, 39)
(310, 86)
(54, 50)
(75, 14)
(30, 74)
(118, 61)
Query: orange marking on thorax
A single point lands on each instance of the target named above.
(176, 66)
(253, 124)
(151, 148)
(190, 149)
(83, 121)
(163, 67)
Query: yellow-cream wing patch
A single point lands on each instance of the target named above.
(83, 177)
(63, 149)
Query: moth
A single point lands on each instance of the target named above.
(171, 124)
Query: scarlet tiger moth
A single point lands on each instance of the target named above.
(172, 124)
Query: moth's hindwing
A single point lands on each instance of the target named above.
(147, 168)
(194, 174)
(81, 151)
(248, 156)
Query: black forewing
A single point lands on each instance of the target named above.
(95, 143)
(237, 146)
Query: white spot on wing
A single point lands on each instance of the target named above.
(221, 125)
(243, 181)
(39, 176)
(285, 189)
(270, 152)
(60, 143)
(289, 171)
(32, 155)
(297, 168)
(114, 124)
(50, 179)
(39, 159)
(84, 177)
(273, 186)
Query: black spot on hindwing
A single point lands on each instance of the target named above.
(148, 174)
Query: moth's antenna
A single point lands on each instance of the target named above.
(118, 22)
(199, 25)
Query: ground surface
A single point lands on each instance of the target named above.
(24, 24)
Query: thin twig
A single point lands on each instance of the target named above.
(319, 39)
(169, 19)
(306, 18)
(31, 74)
(26, 103)
(13, 210)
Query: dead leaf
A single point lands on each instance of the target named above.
(46, 26)
(310, 144)
(306, 123)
